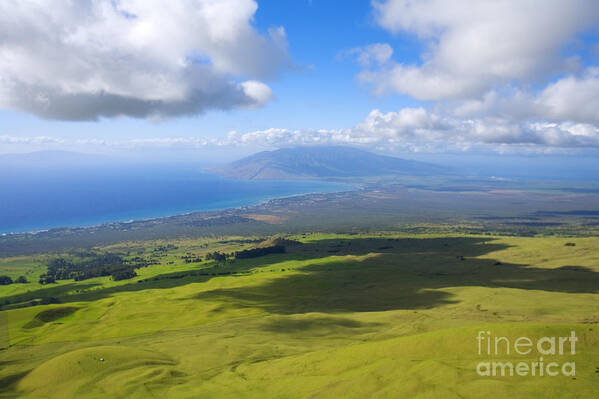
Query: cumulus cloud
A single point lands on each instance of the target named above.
(499, 73)
(86, 59)
(570, 98)
(408, 129)
(474, 47)
(416, 129)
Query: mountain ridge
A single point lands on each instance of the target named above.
(321, 162)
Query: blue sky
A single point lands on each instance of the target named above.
(501, 76)
(321, 91)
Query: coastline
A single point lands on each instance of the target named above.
(387, 207)
(169, 217)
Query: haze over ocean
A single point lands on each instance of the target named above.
(40, 200)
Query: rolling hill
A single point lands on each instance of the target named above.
(377, 315)
(320, 162)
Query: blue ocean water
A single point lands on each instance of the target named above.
(37, 199)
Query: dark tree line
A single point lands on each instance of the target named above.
(191, 258)
(217, 256)
(246, 253)
(47, 279)
(123, 274)
(107, 264)
(257, 252)
(6, 280)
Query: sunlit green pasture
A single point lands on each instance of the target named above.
(375, 315)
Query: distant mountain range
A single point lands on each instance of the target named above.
(320, 162)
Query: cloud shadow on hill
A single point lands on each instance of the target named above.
(398, 274)
(383, 274)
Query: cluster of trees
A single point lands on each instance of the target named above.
(107, 264)
(246, 253)
(217, 256)
(257, 252)
(146, 262)
(165, 248)
(47, 279)
(191, 258)
(6, 280)
(123, 274)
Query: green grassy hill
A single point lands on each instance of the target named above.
(376, 315)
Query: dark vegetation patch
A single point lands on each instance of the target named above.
(217, 256)
(257, 252)
(50, 315)
(96, 265)
(267, 247)
(5, 280)
(191, 258)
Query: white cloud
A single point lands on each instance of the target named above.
(88, 59)
(415, 129)
(500, 73)
(572, 98)
(408, 129)
(372, 54)
(496, 70)
(474, 47)
(257, 91)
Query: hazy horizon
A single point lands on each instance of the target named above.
(555, 166)
(414, 80)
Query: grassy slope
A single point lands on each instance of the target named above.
(358, 316)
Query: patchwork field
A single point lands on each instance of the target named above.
(378, 315)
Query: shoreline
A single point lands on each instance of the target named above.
(164, 218)
(386, 207)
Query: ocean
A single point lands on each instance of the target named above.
(36, 199)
